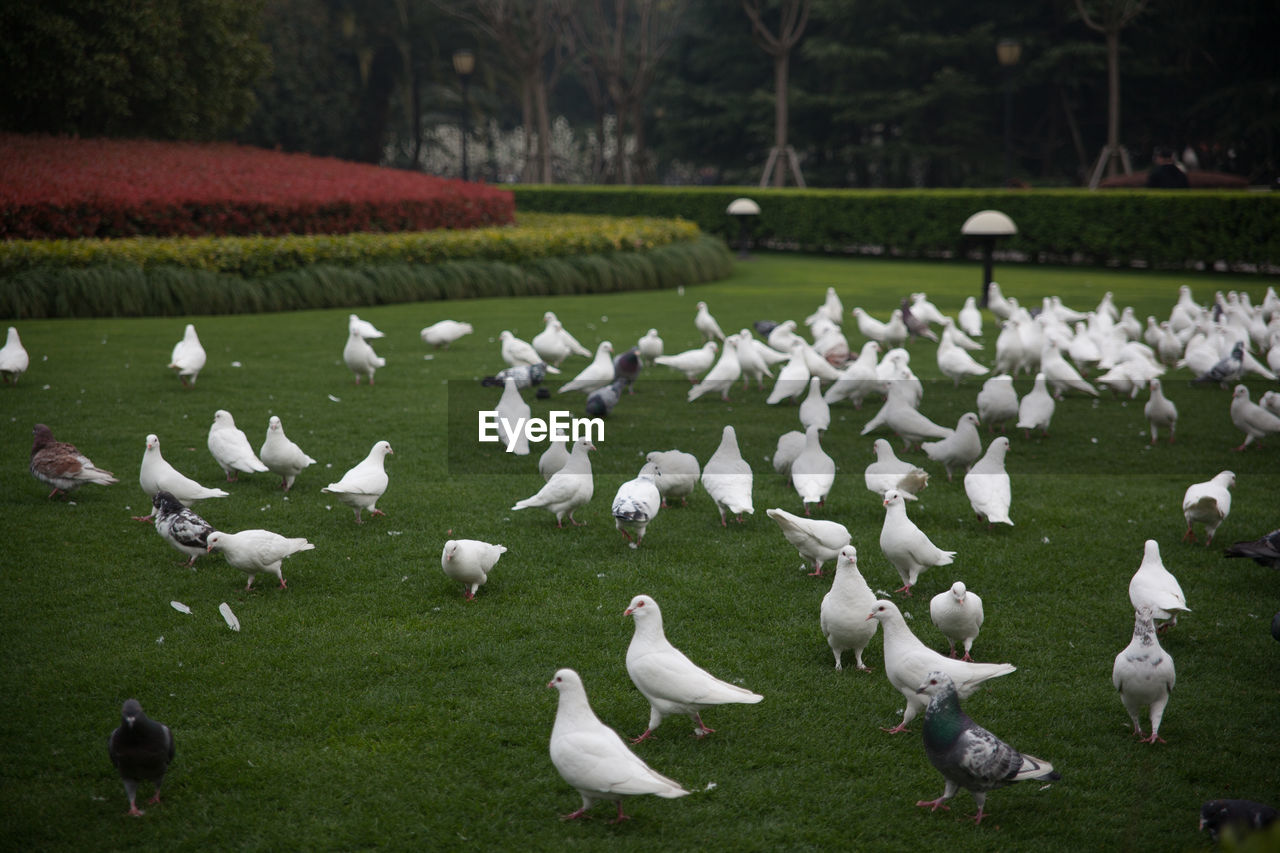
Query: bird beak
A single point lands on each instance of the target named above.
(886, 503)
(208, 548)
(551, 683)
(869, 618)
(628, 611)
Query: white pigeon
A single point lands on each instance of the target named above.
(818, 364)
(890, 472)
(1154, 586)
(1160, 411)
(958, 337)
(568, 488)
(895, 331)
(593, 759)
(675, 473)
(1010, 352)
(635, 505)
(255, 551)
(230, 447)
(793, 377)
(597, 374)
(158, 475)
(727, 478)
(14, 360)
(907, 662)
(790, 444)
(958, 615)
(1250, 418)
(469, 561)
(361, 487)
(363, 328)
(924, 310)
(445, 332)
(869, 327)
(720, 378)
(813, 471)
(551, 345)
(1143, 673)
(843, 614)
(282, 456)
(816, 540)
(360, 357)
(1208, 503)
(905, 545)
(970, 318)
(751, 360)
(911, 425)
(553, 458)
(1271, 401)
(814, 410)
(706, 324)
(955, 362)
(511, 411)
(1060, 374)
(1035, 410)
(188, 356)
(671, 682)
(832, 308)
(650, 345)
(958, 450)
(517, 352)
(997, 402)
(858, 379)
(574, 346)
(987, 484)
(997, 303)
(693, 362)
(783, 337)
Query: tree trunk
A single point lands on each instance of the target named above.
(527, 174)
(781, 65)
(544, 129)
(1113, 100)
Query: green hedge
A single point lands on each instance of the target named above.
(1202, 229)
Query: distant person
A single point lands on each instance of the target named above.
(1165, 173)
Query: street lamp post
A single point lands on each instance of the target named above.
(1008, 52)
(464, 63)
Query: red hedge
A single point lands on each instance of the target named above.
(56, 187)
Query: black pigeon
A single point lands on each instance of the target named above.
(1264, 551)
(967, 755)
(140, 749)
(526, 376)
(764, 327)
(601, 401)
(626, 366)
(1228, 370)
(916, 327)
(1237, 817)
(181, 527)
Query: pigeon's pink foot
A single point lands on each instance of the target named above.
(665, 505)
(806, 510)
(967, 657)
(468, 595)
(896, 730)
(575, 521)
(864, 668)
(739, 520)
(284, 484)
(282, 584)
(904, 589)
(146, 518)
(376, 511)
(621, 817)
(1152, 739)
(573, 815)
(648, 733)
(723, 523)
(816, 573)
(231, 478)
(1189, 536)
(977, 818)
(934, 805)
(134, 811)
(54, 492)
(155, 799)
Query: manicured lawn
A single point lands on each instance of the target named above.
(370, 705)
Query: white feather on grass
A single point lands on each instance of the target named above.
(232, 622)
(179, 606)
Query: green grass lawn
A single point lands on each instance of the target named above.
(370, 705)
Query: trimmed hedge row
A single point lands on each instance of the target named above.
(1237, 231)
(158, 289)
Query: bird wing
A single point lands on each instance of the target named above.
(668, 674)
(596, 759)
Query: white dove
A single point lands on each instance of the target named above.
(1208, 503)
(188, 356)
(858, 379)
(444, 332)
(1250, 418)
(958, 450)
(1155, 587)
(970, 318)
(790, 444)
(911, 425)
(924, 310)
(593, 759)
(1060, 373)
(568, 488)
(793, 377)
(512, 410)
(675, 473)
(905, 545)
(818, 364)
(955, 362)
(635, 505)
(469, 561)
(1160, 411)
(987, 484)
(1035, 410)
(997, 303)
(550, 345)
(597, 374)
(751, 360)
(156, 474)
(282, 456)
(360, 357)
(869, 327)
(907, 662)
(255, 551)
(890, 472)
(895, 331)
(516, 352)
(706, 324)
(671, 682)
(817, 541)
(814, 410)
(842, 616)
(958, 337)
(720, 379)
(230, 447)
(361, 487)
(553, 458)
(1143, 673)
(574, 346)
(958, 615)
(650, 345)
(1010, 351)
(693, 362)
(363, 328)
(813, 471)
(14, 360)
(727, 478)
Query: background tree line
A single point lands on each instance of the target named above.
(880, 93)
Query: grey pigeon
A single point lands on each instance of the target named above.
(61, 465)
(1275, 626)
(526, 376)
(1227, 370)
(764, 327)
(916, 327)
(966, 754)
(626, 366)
(601, 401)
(1264, 551)
(180, 527)
(1236, 817)
(141, 749)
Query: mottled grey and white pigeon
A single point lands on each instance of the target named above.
(816, 540)
(671, 682)
(361, 486)
(469, 562)
(601, 401)
(188, 356)
(1228, 369)
(525, 375)
(61, 465)
(635, 505)
(282, 456)
(627, 366)
(1143, 673)
(180, 527)
(593, 759)
(1236, 818)
(256, 550)
(958, 614)
(141, 750)
(967, 755)
(230, 447)
(1264, 551)
(1208, 503)
(843, 614)
(14, 359)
